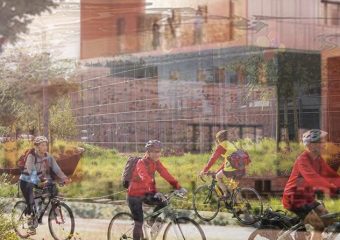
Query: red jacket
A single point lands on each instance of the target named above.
(217, 153)
(307, 174)
(143, 177)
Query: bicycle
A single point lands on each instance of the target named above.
(60, 217)
(277, 225)
(274, 223)
(245, 203)
(180, 227)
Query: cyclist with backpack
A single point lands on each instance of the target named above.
(142, 185)
(310, 171)
(233, 166)
(36, 172)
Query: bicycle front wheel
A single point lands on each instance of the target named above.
(61, 221)
(268, 232)
(121, 227)
(247, 206)
(183, 228)
(206, 203)
(20, 219)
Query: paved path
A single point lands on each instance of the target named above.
(95, 229)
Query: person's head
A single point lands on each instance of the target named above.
(222, 136)
(40, 143)
(314, 140)
(153, 149)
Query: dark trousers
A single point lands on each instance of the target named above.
(27, 192)
(136, 208)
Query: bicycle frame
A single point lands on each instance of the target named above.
(301, 226)
(168, 211)
(52, 200)
(231, 193)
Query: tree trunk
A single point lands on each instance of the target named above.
(285, 123)
(295, 116)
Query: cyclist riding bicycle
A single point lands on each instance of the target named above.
(310, 171)
(226, 170)
(142, 188)
(37, 173)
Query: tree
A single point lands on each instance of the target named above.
(10, 107)
(292, 73)
(26, 75)
(62, 123)
(15, 15)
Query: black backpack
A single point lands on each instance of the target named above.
(128, 170)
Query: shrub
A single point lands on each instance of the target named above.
(6, 190)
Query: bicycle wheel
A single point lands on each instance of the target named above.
(247, 206)
(183, 228)
(61, 221)
(206, 203)
(121, 227)
(20, 220)
(267, 233)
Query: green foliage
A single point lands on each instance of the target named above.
(24, 79)
(15, 15)
(62, 123)
(104, 167)
(10, 107)
(6, 190)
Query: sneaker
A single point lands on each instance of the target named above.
(150, 222)
(32, 222)
(228, 205)
(31, 231)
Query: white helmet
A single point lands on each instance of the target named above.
(40, 139)
(313, 136)
(153, 144)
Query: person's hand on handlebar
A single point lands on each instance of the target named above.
(66, 181)
(202, 173)
(160, 196)
(182, 191)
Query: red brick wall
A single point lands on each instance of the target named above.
(99, 27)
(125, 112)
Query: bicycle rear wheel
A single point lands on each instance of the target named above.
(61, 221)
(121, 227)
(206, 203)
(247, 206)
(183, 228)
(20, 220)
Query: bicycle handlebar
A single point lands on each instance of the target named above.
(175, 193)
(209, 173)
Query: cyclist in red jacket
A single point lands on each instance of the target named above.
(142, 188)
(310, 171)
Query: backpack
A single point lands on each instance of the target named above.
(239, 159)
(23, 158)
(128, 170)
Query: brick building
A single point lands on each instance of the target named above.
(176, 86)
(183, 99)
